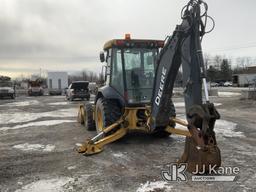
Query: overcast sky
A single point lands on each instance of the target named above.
(68, 35)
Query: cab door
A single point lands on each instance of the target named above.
(117, 78)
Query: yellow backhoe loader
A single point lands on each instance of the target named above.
(137, 95)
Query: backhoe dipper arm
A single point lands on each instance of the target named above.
(184, 46)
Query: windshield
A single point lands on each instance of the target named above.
(80, 85)
(140, 71)
(6, 84)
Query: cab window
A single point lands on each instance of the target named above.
(117, 71)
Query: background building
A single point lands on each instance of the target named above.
(245, 78)
(57, 82)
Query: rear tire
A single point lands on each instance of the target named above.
(107, 112)
(88, 117)
(85, 117)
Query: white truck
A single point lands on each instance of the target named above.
(7, 88)
(57, 82)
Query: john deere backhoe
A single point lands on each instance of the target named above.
(137, 95)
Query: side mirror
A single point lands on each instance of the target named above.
(102, 57)
(104, 73)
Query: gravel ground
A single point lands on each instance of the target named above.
(38, 136)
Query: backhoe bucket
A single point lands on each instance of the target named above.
(200, 159)
(201, 152)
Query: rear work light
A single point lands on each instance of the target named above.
(160, 43)
(127, 36)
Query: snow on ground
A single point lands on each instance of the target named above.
(228, 94)
(34, 147)
(59, 103)
(48, 185)
(59, 96)
(179, 104)
(71, 167)
(225, 128)
(21, 103)
(155, 186)
(119, 155)
(21, 116)
(182, 104)
(37, 123)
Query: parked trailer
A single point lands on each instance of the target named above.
(57, 82)
(243, 80)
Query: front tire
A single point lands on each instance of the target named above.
(161, 134)
(160, 131)
(107, 112)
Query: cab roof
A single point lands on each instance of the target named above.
(123, 43)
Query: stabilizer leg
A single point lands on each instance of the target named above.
(96, 144)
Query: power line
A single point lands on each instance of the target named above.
(233, 48)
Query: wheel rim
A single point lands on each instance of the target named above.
(81, 115)
(99, 120)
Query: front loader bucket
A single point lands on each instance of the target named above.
(200, 159)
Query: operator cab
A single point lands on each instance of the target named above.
(130, 67)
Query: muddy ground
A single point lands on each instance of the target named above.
(38, 136)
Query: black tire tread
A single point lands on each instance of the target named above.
(89, 117)
(111, 111)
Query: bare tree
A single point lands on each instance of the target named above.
(217, 61)
(207, 59)
(84, 76)
(242, 62)
(91, 76)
